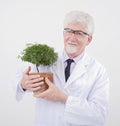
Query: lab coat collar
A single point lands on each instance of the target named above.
(78, 71)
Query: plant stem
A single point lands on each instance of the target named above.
(37, 68)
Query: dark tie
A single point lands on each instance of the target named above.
(67, 69)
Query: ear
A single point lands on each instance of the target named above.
(89, 39)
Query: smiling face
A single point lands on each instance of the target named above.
(75, 39)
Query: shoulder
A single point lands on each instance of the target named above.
(92, 63)
(91, 60)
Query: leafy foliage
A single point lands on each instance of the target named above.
(39, 54)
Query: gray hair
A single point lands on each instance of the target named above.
(82, 18)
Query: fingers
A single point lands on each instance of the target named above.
(35, 79)
(48, 82)
(31, 82)
(46, 93)
(32, 77)
(41, 95)
(27, 70)
(37, 84)
(34, 86)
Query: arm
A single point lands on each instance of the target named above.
(25, 82)
(52, 93)
(93, 110)
(90, 111)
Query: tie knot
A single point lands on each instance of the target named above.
(69, 61)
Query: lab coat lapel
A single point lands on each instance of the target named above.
(59, 69)
(78, 71)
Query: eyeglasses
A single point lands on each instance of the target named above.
(78, 33)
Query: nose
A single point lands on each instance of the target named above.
(73, 36)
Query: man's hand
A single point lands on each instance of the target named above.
(52, 93)
(31, 82)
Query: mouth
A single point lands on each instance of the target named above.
(72, 43)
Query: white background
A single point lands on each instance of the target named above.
(25, 21)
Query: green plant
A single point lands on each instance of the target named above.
(38, 54)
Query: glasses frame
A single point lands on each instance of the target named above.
(76, 32)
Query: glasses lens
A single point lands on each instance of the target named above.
(78, 33)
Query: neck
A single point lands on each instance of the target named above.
(71, 56)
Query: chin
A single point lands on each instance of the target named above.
(71, 49)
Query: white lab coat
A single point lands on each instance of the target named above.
(87, 87)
